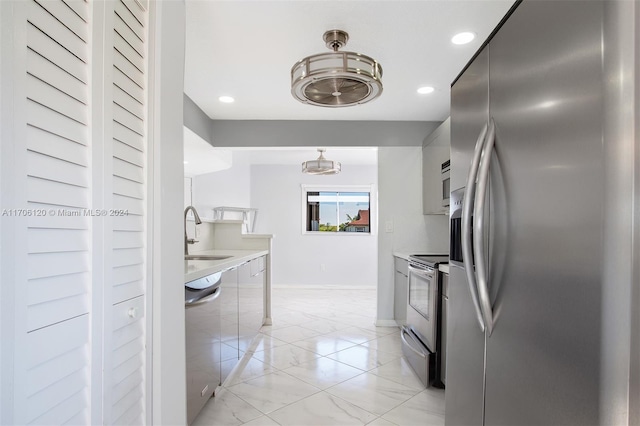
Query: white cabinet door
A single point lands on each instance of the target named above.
(229, 322)
(435, 151)
(401, 283)
(251, 283)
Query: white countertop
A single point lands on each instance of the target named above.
(404, 255)
(194, 269)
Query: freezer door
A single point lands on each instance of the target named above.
(469, 113)
(465, 340)
(542, 360)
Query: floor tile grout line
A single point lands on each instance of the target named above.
(266, 414)
(405, 402)
(350, 320)
(331, 396)
(326, 390)
(319, 390)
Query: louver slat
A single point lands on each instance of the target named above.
(56, 99)
(50, 73)
(137, 10)
(46, 143)
(125, 14)
(67, 16)
(45, 46)
(54, 122)
(128, 102)
(57, 30)
(79, 7)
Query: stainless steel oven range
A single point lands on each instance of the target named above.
(421, 337)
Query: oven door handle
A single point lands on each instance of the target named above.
(404, 332)
(467, 209)
(478, 226)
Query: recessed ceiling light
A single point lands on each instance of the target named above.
(463, 38)
(425, 90)
(185, 162)
(226, 99)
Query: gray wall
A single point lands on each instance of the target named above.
(264, 133)
(196, 120)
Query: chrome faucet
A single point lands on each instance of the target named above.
(188, 241)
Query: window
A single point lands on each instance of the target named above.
(337, 211)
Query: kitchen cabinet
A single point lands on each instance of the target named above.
(251, 284)
(435, 151)
(229, 334)
(242, 310)
(400, 297)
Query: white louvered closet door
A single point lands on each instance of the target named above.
(55, 388)
(78, 211)
(125, 384)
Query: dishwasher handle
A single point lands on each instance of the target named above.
(206, 295)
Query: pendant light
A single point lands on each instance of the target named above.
(336, 79)
(321, 166)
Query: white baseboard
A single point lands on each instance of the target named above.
(385, 323)
(323, 287)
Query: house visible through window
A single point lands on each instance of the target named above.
(329, 211)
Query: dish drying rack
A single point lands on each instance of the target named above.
(248, 215)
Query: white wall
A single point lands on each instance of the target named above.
(169, 365)
(230, 187)
(349, 260)
(400, 201)
(187, 191)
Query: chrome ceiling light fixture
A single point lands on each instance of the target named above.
(321, 166)
(336, 79)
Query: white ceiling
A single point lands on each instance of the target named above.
(201, 158)
(360, 156)
(245, 49)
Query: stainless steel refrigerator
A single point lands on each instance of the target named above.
(529, 208)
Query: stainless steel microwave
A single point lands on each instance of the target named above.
(446, 182)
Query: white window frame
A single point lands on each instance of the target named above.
(373, 208)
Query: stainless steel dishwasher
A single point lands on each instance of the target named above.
(202, 320)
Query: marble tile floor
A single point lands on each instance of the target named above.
(323, 362)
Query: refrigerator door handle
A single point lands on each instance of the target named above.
(478, 227)
(467, 208)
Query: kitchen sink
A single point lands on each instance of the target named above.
(205, 257)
